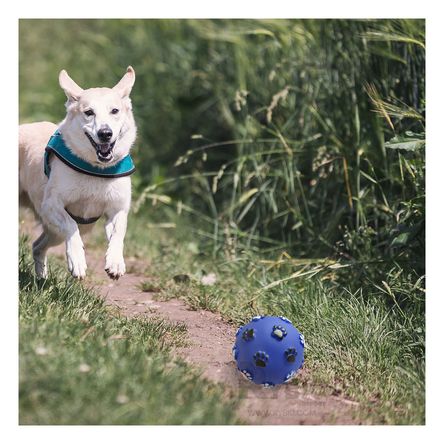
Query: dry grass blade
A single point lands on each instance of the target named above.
(392, 37)
(297, 274)
(379, 103)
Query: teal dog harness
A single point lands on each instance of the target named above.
(56, 146)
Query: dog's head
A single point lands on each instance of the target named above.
(99, 125)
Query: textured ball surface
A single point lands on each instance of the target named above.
(269, 350)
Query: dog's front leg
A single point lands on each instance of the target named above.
(60, 222)
(115, 229)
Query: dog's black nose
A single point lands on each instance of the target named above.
(105, 133)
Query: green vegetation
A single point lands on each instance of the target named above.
(289, 155)
(82, 364)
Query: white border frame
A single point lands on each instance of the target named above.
(225, 9)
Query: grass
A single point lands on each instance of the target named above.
(360, 343)
(81, 363)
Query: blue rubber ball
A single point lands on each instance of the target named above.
(269, 350)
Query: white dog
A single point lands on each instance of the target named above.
(74, 173)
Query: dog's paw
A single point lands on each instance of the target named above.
(41, 268)
(75, 256)
(40, 265)
(77, 267)
(115, 267)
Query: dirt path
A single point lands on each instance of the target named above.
(209, 347)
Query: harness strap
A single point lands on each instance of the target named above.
(84, 220)
(56, 145)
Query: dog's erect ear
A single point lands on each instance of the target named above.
(72, 90)
(126, 83)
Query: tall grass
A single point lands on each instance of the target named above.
(322, 149)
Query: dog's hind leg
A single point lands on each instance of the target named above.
(58, 221)
(40, 248)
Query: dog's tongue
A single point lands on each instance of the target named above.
(104, 148)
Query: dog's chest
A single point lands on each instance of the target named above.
(80, 210)
(92, 197)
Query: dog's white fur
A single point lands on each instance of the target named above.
(82, 195)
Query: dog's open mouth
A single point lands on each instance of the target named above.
(104, 151)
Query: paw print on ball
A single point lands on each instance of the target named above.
(248, 334)
(279, 332)
(235, 352)
(290, 354)
(260, 359)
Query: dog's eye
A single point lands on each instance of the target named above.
(89, 112)
(114, 111)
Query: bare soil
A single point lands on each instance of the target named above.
(208, 346)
